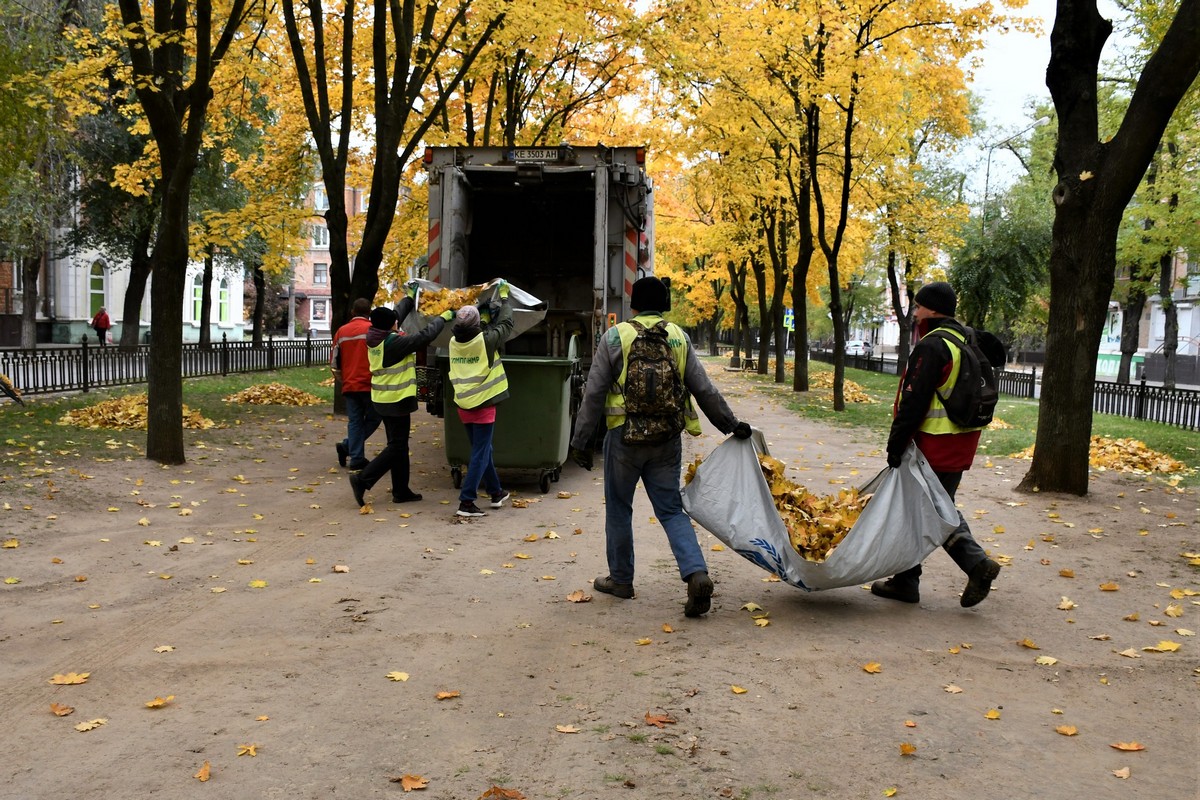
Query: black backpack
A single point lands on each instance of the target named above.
(972, 400)
(654, 392)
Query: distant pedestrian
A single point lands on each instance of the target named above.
(100, 324)
(392, 355)
(479, 383)
(352, 368)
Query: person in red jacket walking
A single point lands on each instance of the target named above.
(100, 324)
(348, 360)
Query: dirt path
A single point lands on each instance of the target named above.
(553, 696)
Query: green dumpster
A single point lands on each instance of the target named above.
(533, 426)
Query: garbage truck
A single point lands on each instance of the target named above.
(570, 225)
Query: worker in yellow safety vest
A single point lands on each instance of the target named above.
(654, 456)
(392, 356)
(479, 384)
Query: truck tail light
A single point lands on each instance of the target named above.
(639, 154)
(427, 159)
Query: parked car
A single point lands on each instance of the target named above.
(857, 347)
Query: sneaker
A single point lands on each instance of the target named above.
(979, 582)
(499, 500)
(343, 453)
(411, 497)
(359, 490)
(893, 589)
(469, 510)
(700, 589)
(607, 585)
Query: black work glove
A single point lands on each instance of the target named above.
(742, 430)
(582, 457)
(894, 459)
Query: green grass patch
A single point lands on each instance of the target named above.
(33, 438)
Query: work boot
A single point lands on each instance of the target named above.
(607, 585)
(466, 509)
(343, 453)
(892, 589)
(979, 582)
(700, 589)
(410, 497)
(358, 466)
(360, 491)
(498, 500)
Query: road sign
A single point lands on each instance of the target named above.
(789, 319)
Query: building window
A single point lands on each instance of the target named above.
(320, 237)
(320, 313)
(320, 199)
(320, 274)
(223, 302)
(97, 281)
(197, 297)
(364, 201)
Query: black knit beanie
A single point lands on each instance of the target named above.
(650, 294)
(383, 318)
(938, 296)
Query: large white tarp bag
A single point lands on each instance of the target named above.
(908, 518)
(527, 310)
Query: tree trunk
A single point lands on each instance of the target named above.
(1096, 181)
(164, 406)
(135, 291)
(260, 288)
(1131, 327)
(31, 267)
(206, 300)
(1166, 284)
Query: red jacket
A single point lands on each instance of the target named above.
(350, 355)
(101, 322)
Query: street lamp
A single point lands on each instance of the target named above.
(987, 173)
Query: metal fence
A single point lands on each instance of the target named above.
(86, 366)
(1177, 407)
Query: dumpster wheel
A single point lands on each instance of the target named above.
(544, 482)
(456, 476)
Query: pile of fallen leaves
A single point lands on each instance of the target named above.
(126, 413)
(434, 301)
(274, 394)
(1124, 455)
(852, 392)
(999, 424)
(816, 523)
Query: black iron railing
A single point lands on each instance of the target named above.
(85, 366)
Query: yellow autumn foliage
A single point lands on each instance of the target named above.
(274, 394)
(1124, 455)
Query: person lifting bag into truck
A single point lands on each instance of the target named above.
(908, 515)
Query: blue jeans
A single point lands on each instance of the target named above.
(361, 421)
(658, 467)
(481, 469)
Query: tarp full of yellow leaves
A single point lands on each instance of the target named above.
(1124, 455)
(126, 413)
(274, 394)
(815, 523)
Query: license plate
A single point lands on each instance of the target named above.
(533, 154)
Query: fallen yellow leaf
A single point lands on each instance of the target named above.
(60, 710)
(1028, 643)
(643, 641)
(873, 667)
(205, 773)
(159, 702)
(1121, 773)
(737, 690)
(1128, 746)
(566, 729)
(992, 713)
(248, 750)
(446, 695)
(397, 676)
(907, 748)
(1067, 730)
(410, 782)
(70, 678)
(1111, 586)
(90, 724)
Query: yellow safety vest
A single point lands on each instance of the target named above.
(614, 403)
(473, 380)
(391, 384)
(936, 421)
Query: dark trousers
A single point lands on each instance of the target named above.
(960, 545)
(394, 457)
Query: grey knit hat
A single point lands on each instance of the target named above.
(466, 319)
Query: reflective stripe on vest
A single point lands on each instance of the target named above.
(391, 384)
(473, 380)
(614, 402)
(936, 421)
